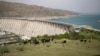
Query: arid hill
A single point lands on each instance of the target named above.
(9, 9)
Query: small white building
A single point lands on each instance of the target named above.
(2, 33)
(25, 38)
(77, 28)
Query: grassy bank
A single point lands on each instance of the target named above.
(71, 48)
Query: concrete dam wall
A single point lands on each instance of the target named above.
(33, 27)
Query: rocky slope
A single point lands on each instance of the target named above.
(8, 9)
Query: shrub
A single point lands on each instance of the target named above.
(55, 42)
(85, 41)
(35, 40)
(20, 48)
(3, 50)
(64, 41)
(48, 45)
(81, 40)
(45, 40)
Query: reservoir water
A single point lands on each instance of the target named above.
(91, 20)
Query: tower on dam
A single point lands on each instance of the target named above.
(33, 27)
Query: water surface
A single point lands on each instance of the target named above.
(91, 20)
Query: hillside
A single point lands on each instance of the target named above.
(8, 9)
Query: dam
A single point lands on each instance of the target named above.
(34, 27)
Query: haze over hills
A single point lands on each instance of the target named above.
(8, 9)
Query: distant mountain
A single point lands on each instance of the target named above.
(8, 9)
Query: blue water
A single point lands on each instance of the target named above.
(91, 20)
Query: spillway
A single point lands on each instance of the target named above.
(33, 27)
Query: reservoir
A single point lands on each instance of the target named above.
(91, 20)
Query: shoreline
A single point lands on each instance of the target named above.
(50, 17)
(89, 27)
(62, 17)
(39, 18)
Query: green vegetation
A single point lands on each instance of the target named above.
(83, 43)
(83, 34)
(3, 50)
(20, 48)
(89, 34)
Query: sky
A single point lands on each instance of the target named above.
(81, 6)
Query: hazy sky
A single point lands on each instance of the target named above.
(82, 6)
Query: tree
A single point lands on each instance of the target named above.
(45, 36)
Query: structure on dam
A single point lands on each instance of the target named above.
(34, 27)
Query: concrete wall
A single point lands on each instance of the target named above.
(32, 28)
